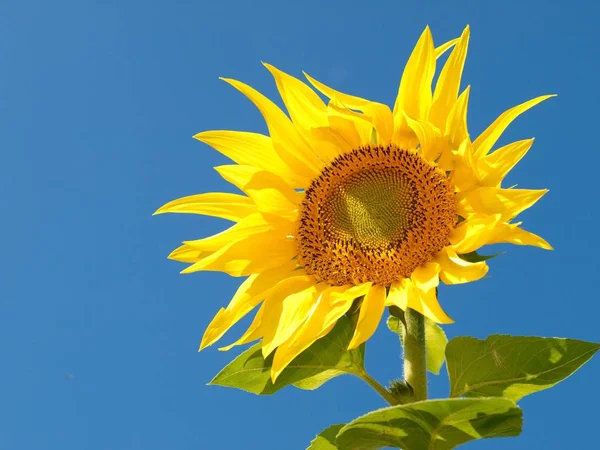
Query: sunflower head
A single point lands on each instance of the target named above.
(374, 214)
(350, 198)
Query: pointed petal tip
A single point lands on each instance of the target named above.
(187, 270)
(174, 251)
(266, 350)
(163, 209)
(427, 33)
(231, 81)
(354, 343)
(311, 80)
(275, 374)
(209, 337)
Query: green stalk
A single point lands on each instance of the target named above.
(387, 395)
(415, 362)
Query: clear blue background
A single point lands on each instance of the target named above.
(98, 103)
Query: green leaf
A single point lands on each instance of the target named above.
(395, 326)
(435, 341)
(432, 424)
(474, 257)
(316, 381)
(512, 366)
(325, 440)
(325, 359)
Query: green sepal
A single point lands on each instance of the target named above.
(327, 358)
(474, 257)
(402, 391)
(512, 366)
(325, 440)
(435, 341)
(432, 424)
(398, 313)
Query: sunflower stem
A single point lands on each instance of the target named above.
(415, 362)
(381, 390)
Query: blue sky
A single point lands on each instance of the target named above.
(98, 103)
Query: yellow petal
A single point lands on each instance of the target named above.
(286, 308)
(306, 108)
(252, 333)
(439, 51)
(270, 193)
(464, 168)
(352, 126)
(398, 294)
(430, 139)
(254, 254)
(511, 233)
(493, 200)
(227, 206)
(325, 313)
(330, 143)
(245, 148)
(253, 224)
(448, 83)
(474, 233)
(381, 115)
(350, 292)
(414, 93)
(483, 230)
(187, 254)
(369, 316)
(289, 145)
(455, 270)
(404, 136)
(486, 140)
(456, 123)
(495, 166)
(250, 293)
(426, 277)
(427, 304)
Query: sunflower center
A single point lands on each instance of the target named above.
(371, 208)
(374, 214)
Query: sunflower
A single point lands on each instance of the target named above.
(350, 200)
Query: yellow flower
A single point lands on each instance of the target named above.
(351, 199)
